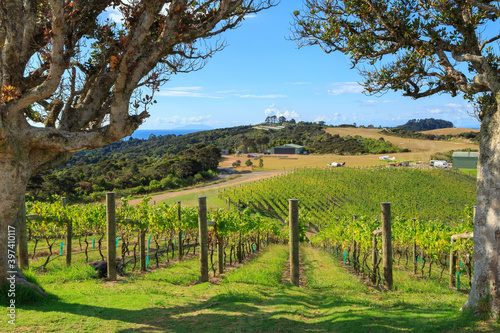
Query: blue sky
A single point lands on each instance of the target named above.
(261, 73)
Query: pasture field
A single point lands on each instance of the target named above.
(191, 199)
(451, 131)
(253, 298)
(421, 150)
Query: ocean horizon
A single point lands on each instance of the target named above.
(145, 134)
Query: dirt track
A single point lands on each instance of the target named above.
(244, 178)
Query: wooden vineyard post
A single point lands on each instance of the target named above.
(375, 255)
(220, 253)
(453, 257)
(294, 241)
(453, 266)
(111, 234)
(179, 238)
(202, 228)
(354, 248)
(239, 253)
(414, 250)
(69, 235)
(142, 249)
(257, 246)
(23, 239)
(387, 245)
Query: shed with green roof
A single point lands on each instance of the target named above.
(465, 159)
(288, 149)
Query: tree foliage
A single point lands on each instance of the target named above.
(418, 47)
(425, 124)
(73, 79)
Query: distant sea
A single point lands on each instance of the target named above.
(144, 134)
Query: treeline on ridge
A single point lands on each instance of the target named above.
(413, 128)
(88, 179)
(427, 124)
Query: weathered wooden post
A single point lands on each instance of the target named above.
(220, 253)
(453, 257)
(376, 233)
(294, 241)
(180, 249)
(414, 250)
(23, 256)
(111, 234)
(142, 249)
(202, 228)
(69, 235)
(354, 247)
(387, 245)
(453, 266)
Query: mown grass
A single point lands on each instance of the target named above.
(191, 199)
(470, 172)
(249, 299)
(417, 304)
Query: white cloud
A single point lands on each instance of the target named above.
(186, 88)
(453, 105)
(114, 15)
(273, 111)
(436, 111)
(230, 91)
(178, 120)
(198, 92)
(376, 101)
(262, 96)
(343, 88)
(195, 92)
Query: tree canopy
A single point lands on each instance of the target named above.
(73, 79)
(419, 47)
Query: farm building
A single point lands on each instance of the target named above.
(465, 159)
(288, 149)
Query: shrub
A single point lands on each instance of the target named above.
(198, 178)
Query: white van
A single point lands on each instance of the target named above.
(441, 164)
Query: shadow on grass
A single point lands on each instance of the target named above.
(287, 309)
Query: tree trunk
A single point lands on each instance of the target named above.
(14, 173)
(484, 296)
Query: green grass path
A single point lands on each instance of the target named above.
(250, 299)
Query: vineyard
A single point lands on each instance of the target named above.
(431, 243)
(429, 206)
(340, 206)
(167, 228)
